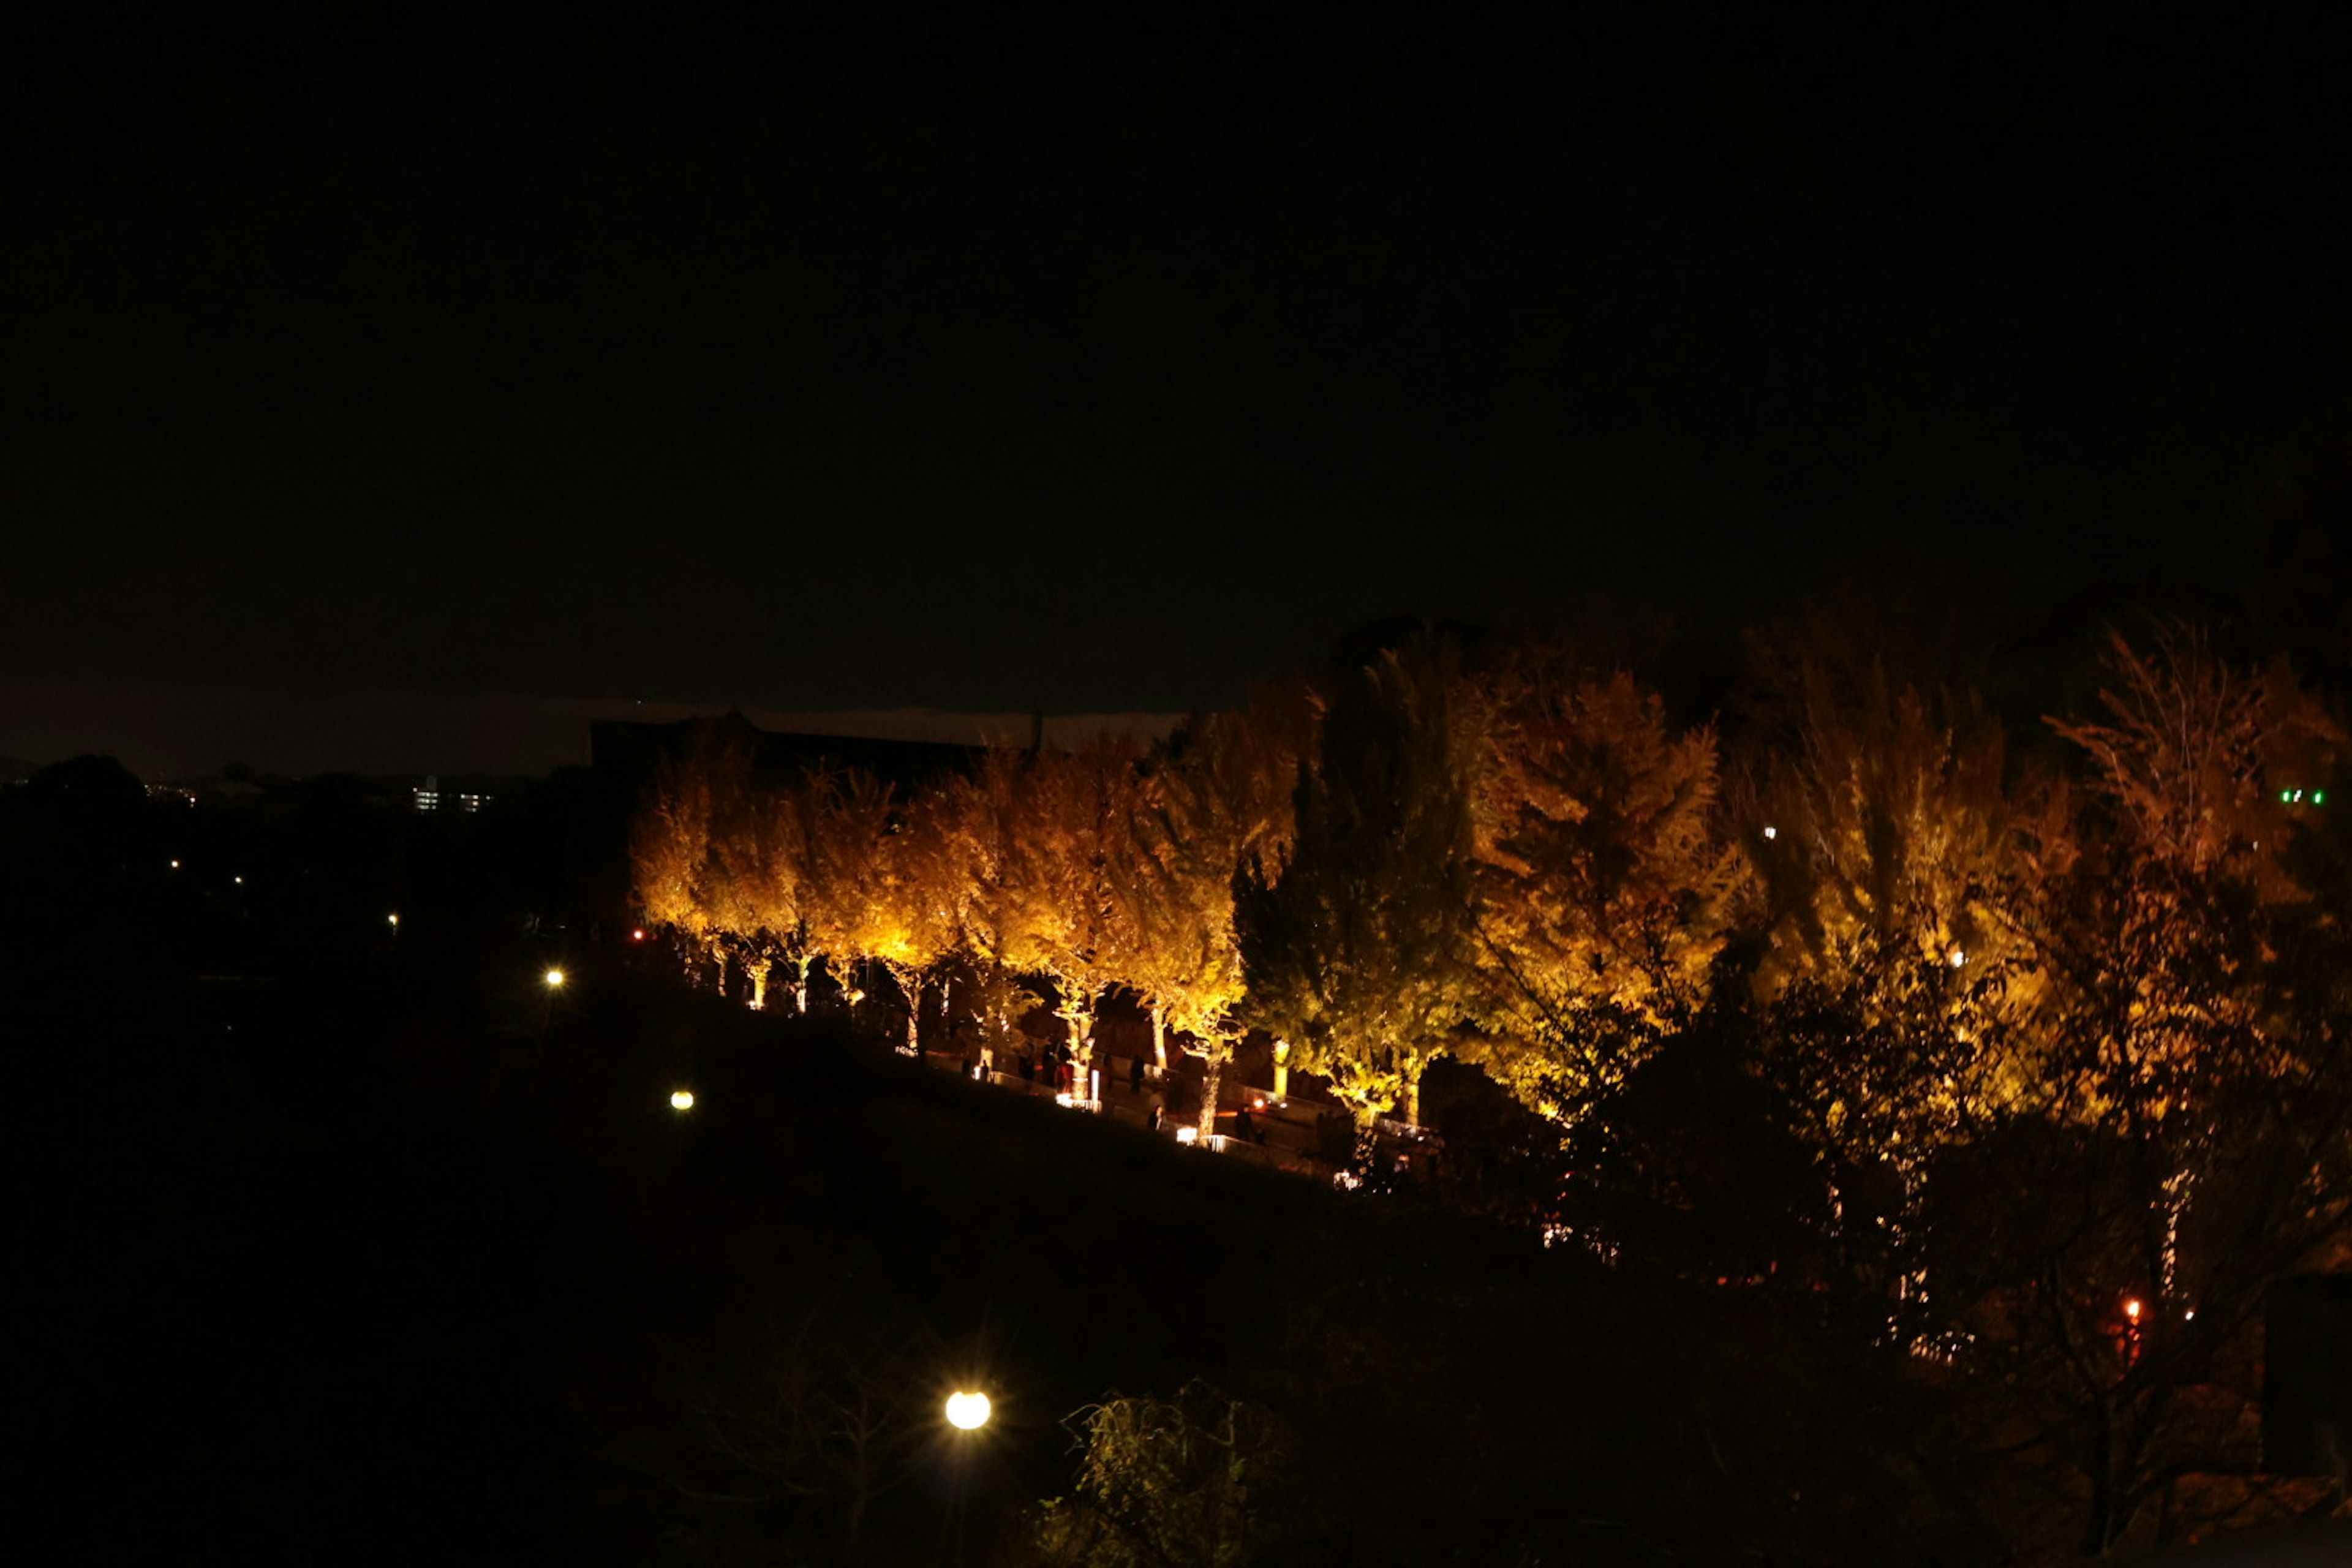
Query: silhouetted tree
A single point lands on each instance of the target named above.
(1359, 946)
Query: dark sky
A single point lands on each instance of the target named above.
(1003, 356)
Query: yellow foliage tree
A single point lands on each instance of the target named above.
(1218, 801)
(1602, 879)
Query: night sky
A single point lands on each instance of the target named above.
(1011, 357)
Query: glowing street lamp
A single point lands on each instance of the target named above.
(394, 919)
(967, 1412)
(681, 1099)
(554, 978)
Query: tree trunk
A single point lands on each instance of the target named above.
(2177, 1189)
(1213, 1074)
(800, 982)
(912, 983)
(1282, 1070)
(1159, 1035)
(1081, 1020)
(759, 973)
(1413, 1097)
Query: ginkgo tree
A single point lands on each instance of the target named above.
(1603, 882)
(1218, 802)
(675, 847)
(1037, 847)
(1077, 850)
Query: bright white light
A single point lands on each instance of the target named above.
(1958, 958)
(554, 979)
(2132, 1308)
(238, 880)
(682, 1100)
(1188, 1135)
(968, 1412)
(175, 865)
(637, 935)
(394, 919)
(1771, 833)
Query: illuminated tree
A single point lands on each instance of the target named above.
(675, 842)
(1882, 822)
(847, 905)
(792, 870)
(745, 870)
(917, 896)
(1890, 839)
(1601, 880)
(1076, 851)
(1039, 845)
(1218, 802)
(1359, 946)
(2158, 938)
(982, 816)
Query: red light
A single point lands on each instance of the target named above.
(2132, 1308)
(637, 935)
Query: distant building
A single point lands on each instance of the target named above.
(430, 796)
(624, 755)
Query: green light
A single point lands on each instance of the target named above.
(2318, 797)
(2285, 795)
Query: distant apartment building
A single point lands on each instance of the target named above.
(429, 797)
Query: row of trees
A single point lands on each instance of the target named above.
(1066, 874)
(2035, 1022)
